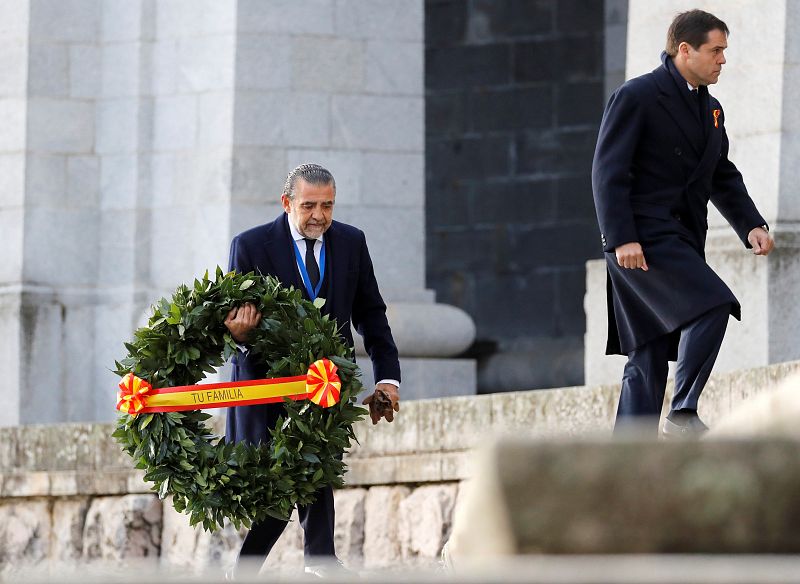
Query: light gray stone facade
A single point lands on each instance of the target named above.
(140, 136)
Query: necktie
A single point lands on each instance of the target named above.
(696, 100)
(702, 109)
(311, 262)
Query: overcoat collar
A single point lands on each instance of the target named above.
(679, 104)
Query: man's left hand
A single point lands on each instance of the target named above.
(383, 403)
(761, 241)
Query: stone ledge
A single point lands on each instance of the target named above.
(72, 483)
(428, 442)
(427, 467)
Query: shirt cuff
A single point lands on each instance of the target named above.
(242, 348)
(390, 381)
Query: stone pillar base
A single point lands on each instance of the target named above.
(425, 378)
(427, 334)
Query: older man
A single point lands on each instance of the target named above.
(661, 155)
(305, 248)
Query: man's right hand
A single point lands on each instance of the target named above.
(241, 320)
(631, 256)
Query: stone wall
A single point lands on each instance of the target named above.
(616, 37)
(67, 492)
(514, 96)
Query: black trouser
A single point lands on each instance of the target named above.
(644, 380)
(316, 519)
(317, 522)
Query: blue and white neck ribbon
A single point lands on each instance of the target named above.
(312, 292)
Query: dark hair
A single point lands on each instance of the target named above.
(692, 27)
(313, 174)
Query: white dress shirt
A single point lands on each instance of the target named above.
(301, 245)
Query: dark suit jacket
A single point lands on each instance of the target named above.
(351, 293)
(660, 158)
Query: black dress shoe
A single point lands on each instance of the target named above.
(683, 428)
(331, 570)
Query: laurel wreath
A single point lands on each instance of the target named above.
(209, 479)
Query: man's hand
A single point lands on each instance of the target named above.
(631, 256)
(241, 320)
(383, 403)
(761, 241)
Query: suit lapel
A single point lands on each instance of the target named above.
(704, 98)
(280, 251)
(713, 145)
(336, 258)
(680, 106)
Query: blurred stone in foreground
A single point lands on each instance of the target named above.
(773, 413)
(712, 497)
(596, 569)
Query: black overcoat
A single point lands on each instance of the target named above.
(351, 294)
(661, 155)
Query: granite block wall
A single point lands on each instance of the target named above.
(514, 96)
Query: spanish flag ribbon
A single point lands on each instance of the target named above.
(716, 117)
(132, 396)
(321, 384)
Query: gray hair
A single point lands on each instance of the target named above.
(313, 174)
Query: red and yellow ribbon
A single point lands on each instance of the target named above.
(132, 396)
(321, 384)
(716, 117)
